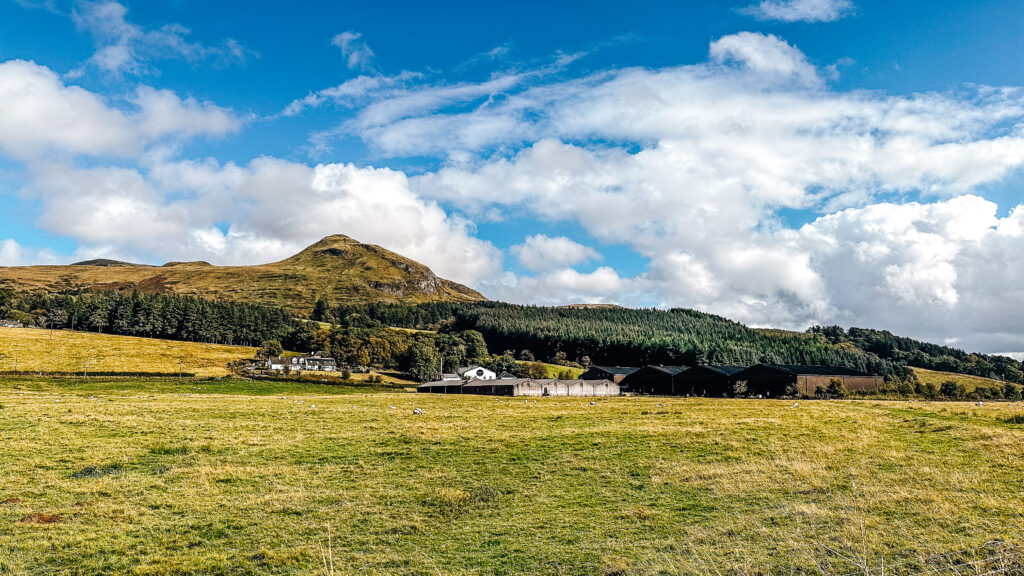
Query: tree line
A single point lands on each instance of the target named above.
(624, 336)
(169, 316)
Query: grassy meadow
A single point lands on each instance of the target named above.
(969, 382)
(32, 350)
(162, 477)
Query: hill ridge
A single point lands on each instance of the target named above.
(337, 267)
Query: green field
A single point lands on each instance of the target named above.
(232, 477)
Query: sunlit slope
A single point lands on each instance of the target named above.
(337, 267)
(64, 351)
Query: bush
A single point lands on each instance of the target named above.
(905, 388)
(792, 390)
(819, 391)
(836, 388)
(953, 389)
(928, 390)
(1012, 392)
(346, 374)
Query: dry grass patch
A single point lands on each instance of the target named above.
(33, 350)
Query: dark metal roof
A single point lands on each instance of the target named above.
(615, 369)
(721, 369)
(814, 369)
(670, 370)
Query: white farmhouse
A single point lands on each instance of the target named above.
(476, 373)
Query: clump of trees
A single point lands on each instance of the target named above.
(170, 316)
(889, 347)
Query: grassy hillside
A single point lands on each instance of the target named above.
(970, 382)
(553, 370)
(337, 267)
(67, 351)
(159, 481)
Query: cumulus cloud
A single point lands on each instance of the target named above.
(275, 207)
(767, 55)
(40, 114)
(800, 10)
(541, 252)
(355, 50)
(689, 167)
(14, 254)
(123, 47)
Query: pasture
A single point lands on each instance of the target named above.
(49, 351)
(162, 477)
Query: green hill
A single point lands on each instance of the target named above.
(338, 268)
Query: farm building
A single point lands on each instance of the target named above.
(316, 361)
(613, 373)
(476, 372)
(708, 380)
(10, 324)
(441, 387)
(659, 380)
(525, 387)
(773, 380)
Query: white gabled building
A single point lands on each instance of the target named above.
(476, 373)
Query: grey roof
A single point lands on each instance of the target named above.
(670, 370)
(721, 369)
(440, 383)
(616, 369)
(815, 369)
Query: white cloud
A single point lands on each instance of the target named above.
(800, 10)
(162, 112)
(564, 286)
(275, 207)
(14, 254)
(765, 55)
(540, 252)
(356, 51)
(124, 47)
(349, 93)
(40, 114)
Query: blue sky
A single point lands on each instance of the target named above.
(782, 162)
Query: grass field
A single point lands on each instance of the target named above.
(32, 350)
(230, 477)
(969, 382)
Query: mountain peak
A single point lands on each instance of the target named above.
(337, 267)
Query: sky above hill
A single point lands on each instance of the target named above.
(780, 162)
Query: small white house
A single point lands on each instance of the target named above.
(476, 372)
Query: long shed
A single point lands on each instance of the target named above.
(613, 373)
(657, 380)
(773, 380)
(541, 387)
(714, 380)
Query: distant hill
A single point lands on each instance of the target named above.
(338, 268)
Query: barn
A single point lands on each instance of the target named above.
(658, 380)
(541, 387)
(613, 373)
(773, 380)
(714, 380)
(441, 387)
